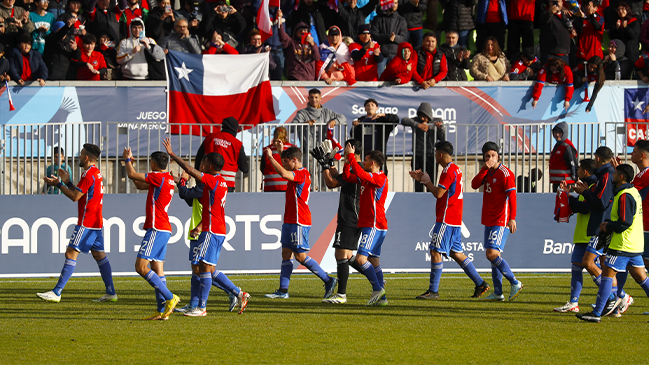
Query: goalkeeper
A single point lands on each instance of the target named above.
(347, 232)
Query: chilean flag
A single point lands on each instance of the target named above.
(263, 21)
(635, 100)
(206, 89)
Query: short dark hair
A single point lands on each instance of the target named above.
(25, 38)
(358, 146)
(430, 34)
(58, 150)
(92, 150)
(528, 53)
(370, 100)
(604, 152)
(161, 159)
(292, 152)
(490, 146)
(216, 160)
(89, 38)
(536, 174)
(445, 147)
(314, 91)
(587, 164)
(626, 170)
(377, 157)
(643, 145)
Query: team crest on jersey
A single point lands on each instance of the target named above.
(494, 180)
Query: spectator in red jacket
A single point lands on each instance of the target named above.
(91, 64)
(521, 25)
(218, 46)
(432, 66)
(366, 55)
(590, 30)
(526, 67)
(554, 72)
(403, 67)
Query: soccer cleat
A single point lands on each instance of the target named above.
(611, 304)
(428, 295)
(480, 289)
(106, 298)
(187, 308)
(243, 301)
(336, 299)
(277, 295)
(627, 300)
(330, 286)
(170, 305)
(197, 312)
(383, 302)
(494, 298)
(234, 300)
(616, 313)
(568, 307)
(376, 295)
(49, 296)
(589, 317)
(154, 317)
(515, 290)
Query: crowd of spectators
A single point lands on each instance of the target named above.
(330, 40)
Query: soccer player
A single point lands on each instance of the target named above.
(347, 231)
(87, 235)
(213, 232)
(581, 238)
(160, 185)
(498, 217)
(626, 242)
(446, 239)
(371, 217)
(297, 220)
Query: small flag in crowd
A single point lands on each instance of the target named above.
(11, 102)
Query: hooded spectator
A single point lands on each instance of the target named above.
(458, 17)
(60, 49)
(180, 40)
(403, 67)
(458, 58)
(133, 11)
(301, 53)
(491, 64)
(25, 63)
(350, 16)
(563, 158)
(366, 55)
(335, 62)
(432, 66)
(614, 56)
(412, 11)
(390, 30)
(131, 52)
(627, 29)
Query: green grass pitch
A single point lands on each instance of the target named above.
(302, 330)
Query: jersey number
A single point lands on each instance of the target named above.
(487, 188)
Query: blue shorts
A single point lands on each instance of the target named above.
(193, 251)
(446, 238)
(154, 245)
(621, 263)
(646, 246)
(592, 244)
(371, 241)
(209, 248)
(295, 237)
(85, 239)
(495, 237)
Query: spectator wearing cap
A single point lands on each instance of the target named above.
(43, 22)
(390, 30)
(301, 53)
(60, 48)
(5, 68)
(180, 39)
(25, 63)
(160, 22)
(403, 67)
(101, 18)
(615, 56)
(217, 46)
(526, 67)
(457, 57)
(521, 25)
(313, 14)
(491, 20)
(350, 16)
(16, 19)
(411, 11)
(366, 55)
(432, 66)
(132, 53)
(335, 62)
(91, 65)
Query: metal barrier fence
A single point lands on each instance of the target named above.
(524, 148)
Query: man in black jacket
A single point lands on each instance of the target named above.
(24, 53)
(412, 11)
(458, 58)
(351, 16)
(389, 29)
(555, 26)
(59, 49)
(374, 128)
(102, 18)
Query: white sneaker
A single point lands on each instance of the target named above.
(627, 300)
(336, 299)
(49, 296)
(568, 307)
(106, 298)
(197, 312)
(376, 295)
(381, 302)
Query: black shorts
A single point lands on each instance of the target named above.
(347, 238)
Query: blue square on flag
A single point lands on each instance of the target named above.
(185, 72)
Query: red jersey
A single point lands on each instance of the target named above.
(590, 39)
(519, 67)
(493, 12)
(213, 201)
(499, 198)
(161, 190)
(641, 182)
(374, 191)
(366, 68)
(521, 10)
(449, 206)
(91, 203)
(553, 79)
(97, 61)
(297, 209)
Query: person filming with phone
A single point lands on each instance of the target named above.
(556, 27)
(131, 52)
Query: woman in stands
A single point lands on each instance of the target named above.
(491, 64)
(627, 29)
(614, 56)
(554, 72)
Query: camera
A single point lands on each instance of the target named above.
(225, 9)
(196, 15)
(569, 25)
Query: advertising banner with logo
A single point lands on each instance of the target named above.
(34, 234)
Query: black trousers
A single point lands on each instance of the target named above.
(418, 163)
(519, 30)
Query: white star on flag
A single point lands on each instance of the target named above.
(183, 72)
(637, 104)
